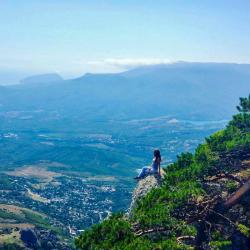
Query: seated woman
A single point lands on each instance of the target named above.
(155, 167)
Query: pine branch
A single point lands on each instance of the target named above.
(234, 199)
(151, 230)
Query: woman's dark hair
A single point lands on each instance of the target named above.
(157, 154)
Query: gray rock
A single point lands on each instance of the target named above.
(143, 187)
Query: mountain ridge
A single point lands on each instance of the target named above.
(42, 79)
(175, 90)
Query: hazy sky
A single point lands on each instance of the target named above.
(75, 36)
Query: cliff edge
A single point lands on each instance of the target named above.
(202, 203)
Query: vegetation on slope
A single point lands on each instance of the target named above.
(15, 220)
(195, 205)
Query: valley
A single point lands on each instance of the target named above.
(69, 149)
(76, 178)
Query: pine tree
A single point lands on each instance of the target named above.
(244, 105)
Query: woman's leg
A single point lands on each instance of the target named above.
(143, 172)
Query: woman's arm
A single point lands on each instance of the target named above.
(159, 165)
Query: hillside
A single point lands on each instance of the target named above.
(22, 228)
(202, 203)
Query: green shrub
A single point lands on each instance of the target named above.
(244, 230)
(221, 245)
(110, 234)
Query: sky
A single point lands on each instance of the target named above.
(72, 37)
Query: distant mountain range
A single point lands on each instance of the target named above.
(182, 90)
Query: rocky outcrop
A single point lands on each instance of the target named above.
(142, 188)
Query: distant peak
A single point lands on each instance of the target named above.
(43, 78)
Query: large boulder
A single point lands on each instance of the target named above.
(143, 187)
